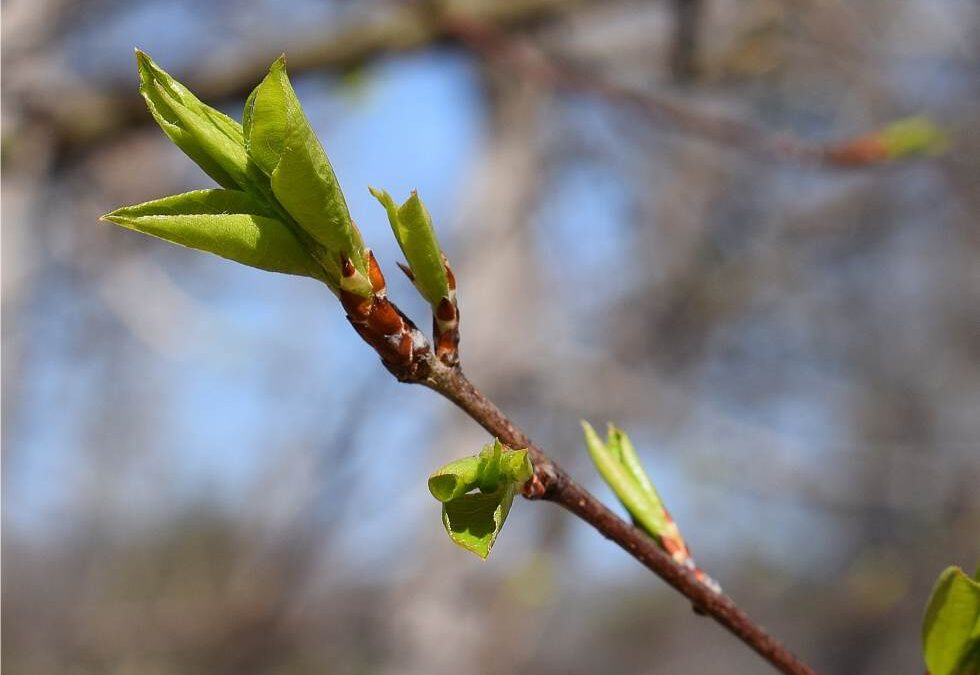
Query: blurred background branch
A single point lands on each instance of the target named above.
(79, 115)
(525, 60)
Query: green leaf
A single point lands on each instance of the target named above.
(455, 479)
(951, 629)
(516, 467)
(476, 494)
(228, 223)
(412, 226)
(489, 468)
(209, 137)
(913, 136)
(474, 520)
(626, 454)
(279, 140)
(641, 501)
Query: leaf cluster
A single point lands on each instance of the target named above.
(476, 494)
(280, 207)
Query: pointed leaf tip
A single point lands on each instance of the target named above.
(209, 137)
(227, 223)
(951, 626)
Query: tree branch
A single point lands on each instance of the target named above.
(528, 61)
(684, 50)
(551, 483)
(79, 117)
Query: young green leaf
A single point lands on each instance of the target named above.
(455, 479)
(412, 226)
(477, 492)
(489, 468)
(209, 137)
(474, 520)
(620, 467)
(951, 629)
(228, 223)
(515, 466)
(913, 136)
(626, 454)
(647, 512)
(279, 140)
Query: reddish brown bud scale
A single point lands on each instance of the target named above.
(374, 273)
(859, 152)
(447, 346)
(391, 349)
(673, 543)
(347, 267)
(364, 332)
(450, 277)
(357, 307)
(446, 310)
(408, 272)
(445, 327)
(383, 317)
(534, 488)
(405, 348)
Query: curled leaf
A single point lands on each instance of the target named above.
(455, 479)
(476, 494)
(474, 520)
(228, 223)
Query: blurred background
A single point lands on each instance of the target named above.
(206, 471)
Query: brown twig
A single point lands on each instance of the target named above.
(551, 483)
(684, 50)
(530, 62)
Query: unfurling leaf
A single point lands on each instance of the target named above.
(474, 520)
(477, 492)
(412, 226)
(228, 223)
(620, 467)
(209, 137)
(627, 479)
(951, 629)
(455, 479)
(279, 140)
